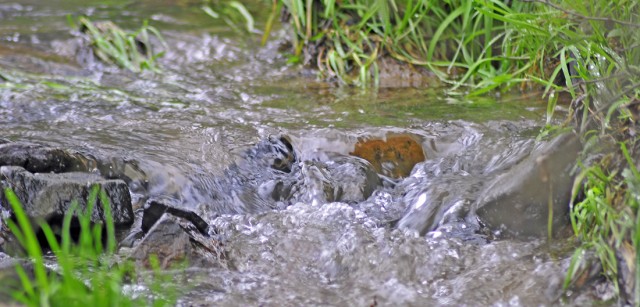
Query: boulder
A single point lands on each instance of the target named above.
(355, 179)
(516, 203)
(48, 196)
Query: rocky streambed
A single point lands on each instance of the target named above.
(278, 189)
(329, 219)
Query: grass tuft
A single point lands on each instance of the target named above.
(130, 50)
(87, 273)
(234, 14)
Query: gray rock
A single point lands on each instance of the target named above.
(271, 176)
(175, 240)
(516, 203)
(154, 210)
(166, 240)
(355, 177)
(49, 196)
(37, 158)
(40, 159)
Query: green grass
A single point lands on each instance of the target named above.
(234, 14)
(606, 217)
(477, 46)
(130, 50)
(88, 272)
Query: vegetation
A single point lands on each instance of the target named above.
(87, 273)
(479, 45)
(588, 49)
(130, 50)
(234, 14)
(606, 219)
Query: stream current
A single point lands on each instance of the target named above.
(219, 94)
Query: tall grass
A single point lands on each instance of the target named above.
(475, 45)
(88, 271)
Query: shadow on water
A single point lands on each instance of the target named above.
(191, 130)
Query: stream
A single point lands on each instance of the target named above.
(220, 93)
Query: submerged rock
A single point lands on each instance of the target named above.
(344, 179)
(517, 202)
(271, 176)
(272, 153)
(48, 196)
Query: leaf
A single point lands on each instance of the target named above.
(209, 11)
(245, 13)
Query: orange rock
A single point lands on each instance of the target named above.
(394, 157)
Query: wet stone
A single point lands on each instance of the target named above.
(166, 240)
(395, 156)
(270, 176)
(275, 152)
(175, 240)
(516, 203)
(356, 179)
(344, 179)
(154, 210)
(40, 159)
(48, 196)
(37, 158)
(259, 180)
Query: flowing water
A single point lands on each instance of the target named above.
(219, 94)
